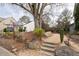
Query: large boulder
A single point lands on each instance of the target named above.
(66, 51)
(34, 44)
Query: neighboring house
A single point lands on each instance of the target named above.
(72, 28)
(27, 26)
(10, 22)
(1, 19)
(7, 23)
(10, 29)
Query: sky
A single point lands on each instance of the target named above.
(9, 10)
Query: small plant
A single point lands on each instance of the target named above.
(5, 30)
(39, 32)
(20, 30)
(24, 29)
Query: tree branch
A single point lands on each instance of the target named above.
(22, 7)
(30, 6)
(38, 6)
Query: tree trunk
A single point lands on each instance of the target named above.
(37, 21)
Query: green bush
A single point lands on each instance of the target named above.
(22, 30)
(5, 30)
(39, 32)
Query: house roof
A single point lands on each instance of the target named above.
(1, 19)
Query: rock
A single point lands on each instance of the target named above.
(48, 34)
(14, 50)
(34, 45)
(75, 37)
(66, 51)
(13, 47)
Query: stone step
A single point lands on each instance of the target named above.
(48, 46)
(47, 53)
(50, 43)
(48, 49)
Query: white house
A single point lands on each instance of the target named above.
(72, 28)
(29, 27)
(6, 22)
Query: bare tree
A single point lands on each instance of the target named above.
(37, 10)
(64, 18)
(25, 19)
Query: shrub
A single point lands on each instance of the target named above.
(24, 29)
(21, 30)
(39, 32)
(5, 30)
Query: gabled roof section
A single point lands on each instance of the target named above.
(1, 19)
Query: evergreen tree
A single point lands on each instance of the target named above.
(76, 16)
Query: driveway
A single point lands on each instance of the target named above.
(4, 52)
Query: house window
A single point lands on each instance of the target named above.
(9, 29)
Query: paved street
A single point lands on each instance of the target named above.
(4, 52)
